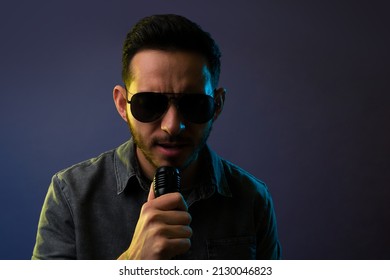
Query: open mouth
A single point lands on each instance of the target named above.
(172, 149)
(172, 145)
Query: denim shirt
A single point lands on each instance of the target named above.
(92, 208)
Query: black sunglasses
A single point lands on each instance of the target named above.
(150, 106)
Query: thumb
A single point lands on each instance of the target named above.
(151, 192)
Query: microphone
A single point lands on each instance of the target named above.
(166, 180)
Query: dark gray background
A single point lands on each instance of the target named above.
(307, 109)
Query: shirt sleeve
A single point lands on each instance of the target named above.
(268, 246)
(55, 236)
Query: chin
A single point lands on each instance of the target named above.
(180, 163)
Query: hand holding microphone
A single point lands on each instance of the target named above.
(162, 231)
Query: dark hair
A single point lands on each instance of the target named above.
(170, 32)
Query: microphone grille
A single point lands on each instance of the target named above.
(166, 180)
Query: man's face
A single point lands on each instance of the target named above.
(171, 140)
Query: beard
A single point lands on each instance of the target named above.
(145, 146)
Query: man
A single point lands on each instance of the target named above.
(105, 208)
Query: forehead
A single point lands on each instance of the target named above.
(160, 70)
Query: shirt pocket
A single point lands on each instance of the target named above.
(235, 248)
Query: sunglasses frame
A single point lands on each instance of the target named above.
(175, 98)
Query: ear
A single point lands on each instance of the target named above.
(219, 97)
(119, 94)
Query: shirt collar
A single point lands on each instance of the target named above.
(213, 178)
(217, 172)
(126, 167)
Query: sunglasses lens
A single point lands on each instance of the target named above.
(197, 108)
(148, 106)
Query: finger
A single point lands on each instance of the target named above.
(178, 246)
(172, 231)
(174, 217)
(171, 201)
(168, 248)
(175, 232)
(151, 192)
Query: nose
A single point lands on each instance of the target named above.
(172, 122)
